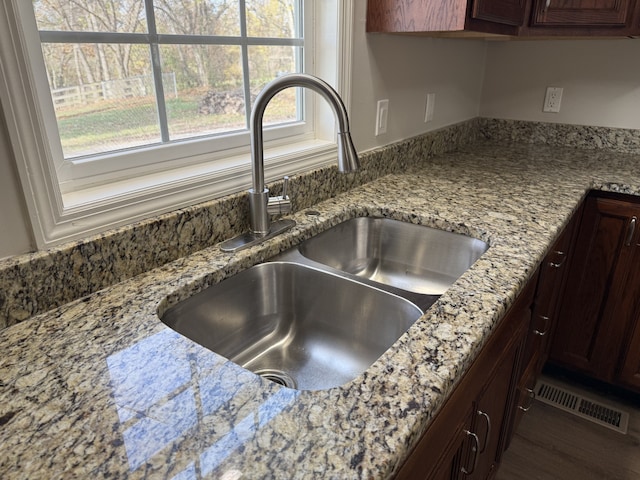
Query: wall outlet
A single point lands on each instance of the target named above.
(382, 113)
(429, 107)
(552, 99)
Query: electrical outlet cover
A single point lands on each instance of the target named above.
(552, 99)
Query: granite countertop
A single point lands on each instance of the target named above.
(101, 388)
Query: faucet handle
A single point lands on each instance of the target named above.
(281, 203)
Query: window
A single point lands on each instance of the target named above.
(121, 109)
(137, 73)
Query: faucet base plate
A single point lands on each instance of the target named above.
(248, 239)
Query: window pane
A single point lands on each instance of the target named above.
(123, 16)
(197, 17)
(103, 96)
(203, 89)
(267, 63)
(272, 18)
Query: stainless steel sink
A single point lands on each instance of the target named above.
(321, 313)
(293, 324)
(410, 257)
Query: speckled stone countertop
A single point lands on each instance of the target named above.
(101, 388)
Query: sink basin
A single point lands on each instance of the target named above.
(410, 257)
(294, 324)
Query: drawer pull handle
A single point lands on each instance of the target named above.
(542, 333)
(474, 449)
(631, 230)
(558, 264)
(532, 397)
(488, 435)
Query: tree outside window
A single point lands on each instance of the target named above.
(131, 73)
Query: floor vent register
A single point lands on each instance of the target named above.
(581, 406)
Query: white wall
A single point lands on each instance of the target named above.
(601, 81)
(404, 69)
(15, 236)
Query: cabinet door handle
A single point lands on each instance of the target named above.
(488, 435)
(558, 264)
(631, 230)
(474, 449)
(546, 326)
(532, 397)
(546, 5)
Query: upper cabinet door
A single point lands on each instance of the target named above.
(525, 18)
(445, 17)
(595, 13)
(508, 12)
(415, 16)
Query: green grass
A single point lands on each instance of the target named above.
(105, 126)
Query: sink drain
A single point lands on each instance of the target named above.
(277, 376)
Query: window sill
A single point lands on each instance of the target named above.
(95, 209)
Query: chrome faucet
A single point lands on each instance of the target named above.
(260, 204)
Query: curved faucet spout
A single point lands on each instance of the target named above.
(347, 156)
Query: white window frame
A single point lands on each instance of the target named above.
(77, 173)
(58, 215)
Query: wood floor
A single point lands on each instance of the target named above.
(554, 445)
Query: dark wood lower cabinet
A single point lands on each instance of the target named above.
(467, 437)
(492, 411)
(581, 309)
(629, 374)
(597, 332)
(544, 315)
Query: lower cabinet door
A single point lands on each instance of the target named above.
(597, 327)
(467, 437)
(462, 454)
(447, 449)
(593, 317)
(525, 394)
(492, 413)
(629, 375)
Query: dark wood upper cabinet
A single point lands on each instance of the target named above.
(594, 13)
(445, 16)
(522, 18)
(582, 18)
(508, 12)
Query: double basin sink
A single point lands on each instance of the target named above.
(319, 314)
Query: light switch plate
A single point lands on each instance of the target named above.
(429, 107)
(382, 113)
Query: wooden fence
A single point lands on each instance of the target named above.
(139, 86)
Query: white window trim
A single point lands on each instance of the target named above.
(57, 217)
